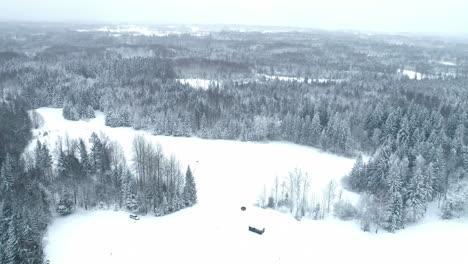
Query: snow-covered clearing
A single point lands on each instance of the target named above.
(198, 83)
(419, 76)
(144, 31)
(412, 74)
(447, 63)
(297, 79)
(219, 235)
(230, 174)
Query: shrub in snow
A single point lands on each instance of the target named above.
(74, 112)
(344, 210)
(271, 202)
(453, 207)
(317, 212)
(456, 203)
(89, 112)
(131, 203)
(117, 118)
(36, 119)
(65, 206)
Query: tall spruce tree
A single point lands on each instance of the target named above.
(189, 193)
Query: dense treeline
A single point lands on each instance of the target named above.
(75, 174)
(98, 176)
(422, 157)
(24, 210)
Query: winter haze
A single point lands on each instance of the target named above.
(422, 16)
(276, 132)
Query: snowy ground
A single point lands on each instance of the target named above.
(230, 174)
(219, 235)
(198, 83)
(296, 79)
(447, 63)
(412, 74)
(137, 30)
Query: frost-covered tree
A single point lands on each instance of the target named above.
(394, 182)
(8, 174)
(11, 245)
(416, 196)
(315, 130)
(357, 179)
(189, 193)
(65, 205)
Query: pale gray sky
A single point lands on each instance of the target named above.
(427, 16)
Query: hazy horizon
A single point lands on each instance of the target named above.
(430, 16)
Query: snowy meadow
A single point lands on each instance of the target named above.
(229, 175)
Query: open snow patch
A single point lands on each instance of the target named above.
(412, 74)
(230, 174)
(297, 79)
(199, 83)
(447, 63)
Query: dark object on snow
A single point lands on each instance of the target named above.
(255, 230)
(134, 217)
(243, 208)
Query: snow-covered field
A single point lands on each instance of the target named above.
(198, 83)
(138, 30)
(296, 79)
(447, 63)
(219, 235)
(412, 74)
(230, 174)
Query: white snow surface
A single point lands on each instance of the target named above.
(297, 79)
(412, 74)
(447, 63)
(230, 174)
(198, 83)
(139, 30)
(219, 235)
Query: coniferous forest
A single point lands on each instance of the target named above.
(401, 100)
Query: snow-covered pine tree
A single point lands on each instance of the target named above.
(465, 159)
(89, 112)
(356, 179)
(65, 205)
(394, 184)
(189, 193)
(84, 158)
(110, 118)
(203, 127)
(379, 168)
(11, 244)
(124, 118)
(96, 154)
(316, 130)
(305, 131)
(416, 199)
(395, 212)
(7, 175)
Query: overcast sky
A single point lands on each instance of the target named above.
(427, 16)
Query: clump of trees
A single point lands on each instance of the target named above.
(98, 176)
(24, 203)
(160, 185)
(294, 195)
(77, 174)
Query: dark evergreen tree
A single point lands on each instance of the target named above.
(189, 193)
